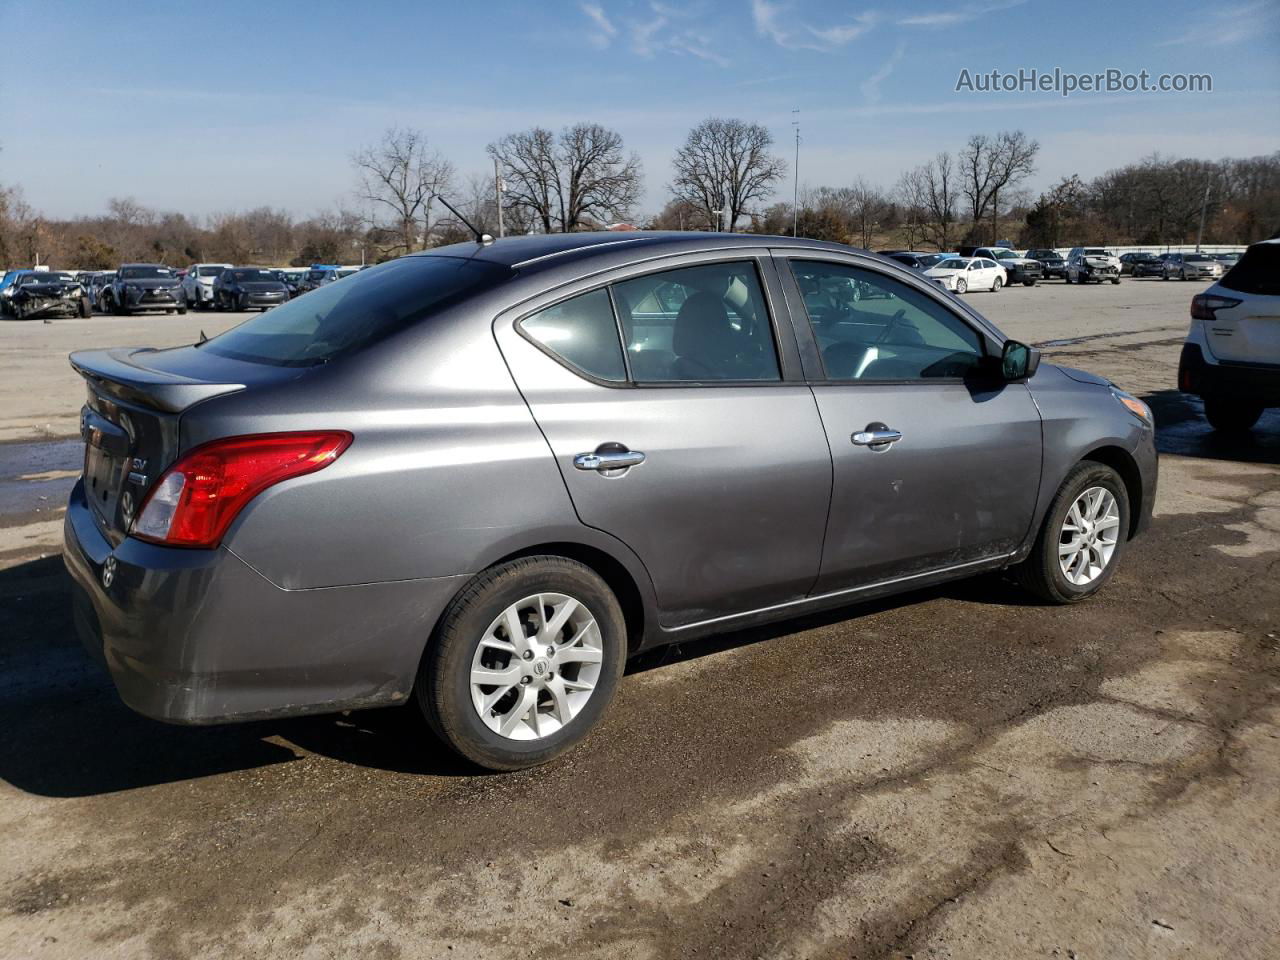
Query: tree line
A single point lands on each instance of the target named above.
(723, 176)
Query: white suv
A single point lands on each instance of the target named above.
(1231, 357)
(197, 285)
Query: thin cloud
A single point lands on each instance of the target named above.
(965, 13)
(604, 31)
(1221, 28)
(871, 85)
(768, 16)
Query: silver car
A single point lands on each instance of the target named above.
(478, 479)
(1191, 266)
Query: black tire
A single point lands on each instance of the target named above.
(1041, 573)
(1231, 415)
(1115, 280)
(1066, 278)
(182, 311)
(1029, 283)
(443, 687)
(962, 285)
(996, 284)
(118, 310)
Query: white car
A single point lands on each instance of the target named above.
(1085, 264)
(962, 274)
(1231, 357)
(197, 285)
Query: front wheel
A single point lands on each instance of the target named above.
(1115, 280)
(523, 663)
(1229, 415)
(962, 286)
(1182, 274)
(1029, 283)
(1081, 538)
(996, 284)
(1066, 278)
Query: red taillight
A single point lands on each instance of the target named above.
(195, 500)
(1203, 305)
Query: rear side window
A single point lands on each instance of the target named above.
(697, 324)
(339, 318)
(582, 332)
(1258, 271)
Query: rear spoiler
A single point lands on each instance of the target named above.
(120, 374)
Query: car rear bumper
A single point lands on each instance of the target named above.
(1259, 382)
(198, 636)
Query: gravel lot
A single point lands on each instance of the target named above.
(953, 773)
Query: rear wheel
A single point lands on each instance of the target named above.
(1081, 538)
(524, 662)
(996, 284)
(1230, 415)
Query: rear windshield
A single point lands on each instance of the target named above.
(1258, 271)
(339, 318)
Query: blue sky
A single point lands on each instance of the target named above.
(218, 106)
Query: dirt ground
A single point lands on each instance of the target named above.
(955, 773)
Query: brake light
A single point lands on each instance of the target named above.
(195, 500)
(1203, 305)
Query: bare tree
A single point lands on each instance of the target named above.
(580, 177)
(865, 206)
(399, 177)
(932, 190)
(725, 164)
(989, 165)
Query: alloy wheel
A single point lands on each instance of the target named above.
(536, 666)
(1089, 534)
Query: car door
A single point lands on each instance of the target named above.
(937, 463)
(699, 446)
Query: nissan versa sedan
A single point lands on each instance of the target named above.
(479, 478)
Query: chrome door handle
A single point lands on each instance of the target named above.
(876, 438)
(610, 460)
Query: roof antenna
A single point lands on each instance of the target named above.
(203, 337)
(481, 238)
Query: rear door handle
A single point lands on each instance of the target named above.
(608, 460)
(876, 435)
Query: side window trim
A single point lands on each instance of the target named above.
(815, 373)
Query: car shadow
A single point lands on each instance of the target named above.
(67, 734)
(1182, 429)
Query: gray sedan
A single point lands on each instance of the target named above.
(480, 478)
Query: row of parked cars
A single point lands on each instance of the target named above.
(990, 268)
(41, 293)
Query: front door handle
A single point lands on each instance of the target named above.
(604, 460)
(876, 436)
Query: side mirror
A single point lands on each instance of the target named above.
(1018, 361)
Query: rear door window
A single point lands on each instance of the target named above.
(697, 324)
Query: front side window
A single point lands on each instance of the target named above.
(582, 332)
(697, 324)
(872, 327)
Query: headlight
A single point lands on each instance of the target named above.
(1133, 405)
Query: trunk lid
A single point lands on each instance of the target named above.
(130, 420)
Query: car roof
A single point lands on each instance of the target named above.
(163, 266)
(559, 248)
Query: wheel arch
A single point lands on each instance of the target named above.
(1123, 463)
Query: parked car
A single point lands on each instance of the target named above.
(197, 285)
(1051, 262)
(248, 288)
(1228, 260)
(292, 278)
(97, 284)
(1141, 265)
(1191, 266)
(43, 294)
(962, 274)
(303, 544)
(1231, 357)
(1085, 264)
(318, 276)
(912, 258)
(1017, 269)
(138, 287)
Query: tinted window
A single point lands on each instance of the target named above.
(145, 273)
(582, 332)
(339, 318)
(873, 327)
(1258, 271)
(209, 271)
(250, 276)
(697, 324)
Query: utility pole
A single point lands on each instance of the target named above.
(1204, 204)
(795, 187)
(498, 187)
